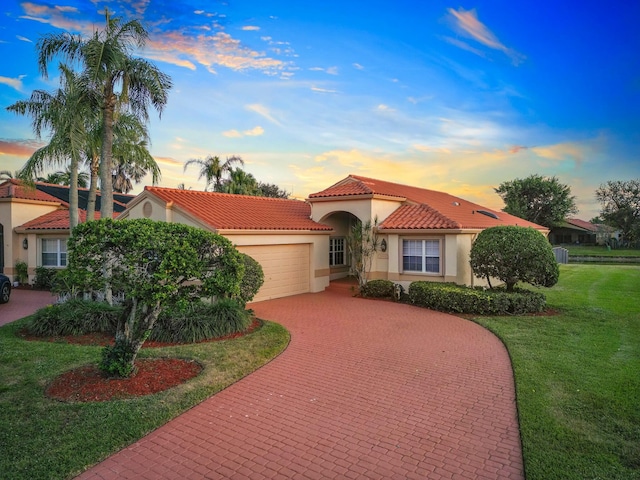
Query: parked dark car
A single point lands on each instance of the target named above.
(5, 288)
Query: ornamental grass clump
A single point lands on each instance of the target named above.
(75, 317)
(201, 321)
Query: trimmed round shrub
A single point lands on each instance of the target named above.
(75, 317)
(252, 279)
(378, 289)
(201, 321)
(514, 254)
(449, 297)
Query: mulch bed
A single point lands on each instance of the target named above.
(152, 375)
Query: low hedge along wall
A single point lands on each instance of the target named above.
(449, 297)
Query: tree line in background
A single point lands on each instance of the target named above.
(548, 202)
(221, 177)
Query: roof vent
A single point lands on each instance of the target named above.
(488, 214)
(455, 204)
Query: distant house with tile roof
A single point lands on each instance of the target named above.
(574, 231)
(427, 235)
(34, 223)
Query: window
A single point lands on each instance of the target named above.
(336, 251)
(54, 252)
(421, 256)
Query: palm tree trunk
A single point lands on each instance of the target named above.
(73, 192)
(106, 158)
(93, 187)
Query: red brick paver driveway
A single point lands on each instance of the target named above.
(366, 389)
(23, 303)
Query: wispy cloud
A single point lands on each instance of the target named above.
(19, 148)
(466, 22)
(253, 132)
(210, 51)
(263, 112)
(185, 47)
(169, 161)
(563, 151)
(15, 83)
(251, 28)
(323, 90)
(357, 66)
(23, 39)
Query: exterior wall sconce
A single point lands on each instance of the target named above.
(25, 243)
(383, 245)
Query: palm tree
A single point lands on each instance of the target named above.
(213, 170)
(241, 183)
(64, 178)
(131, 157)
(67, 114)
(118, 78)
(7, 175)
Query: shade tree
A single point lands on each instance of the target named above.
(155, 265)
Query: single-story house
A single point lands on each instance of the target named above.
(301, 245)
(574, 231)
(34, 223)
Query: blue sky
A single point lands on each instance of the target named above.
(456, 97)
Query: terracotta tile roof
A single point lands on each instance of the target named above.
(576, 222)
(423, 208)
(57, 220)
(224, 211)
(13, 188)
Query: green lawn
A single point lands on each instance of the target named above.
(45, 439)
(576, 250)
(578, 376)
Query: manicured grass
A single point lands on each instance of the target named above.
(46, 439)
(600, 251)
(578, 376)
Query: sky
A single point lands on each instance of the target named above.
(455, 97)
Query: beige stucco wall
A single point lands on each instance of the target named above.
(13, 213)
(456, 248)
(365, 208)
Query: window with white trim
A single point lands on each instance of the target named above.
(421, 256)
(336, 251)
(54, 252)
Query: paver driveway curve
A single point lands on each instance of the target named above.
(366, 389)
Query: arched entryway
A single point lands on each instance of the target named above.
(339, 260)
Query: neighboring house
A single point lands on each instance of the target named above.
(34, 224)
(424, 234)
(574, 231)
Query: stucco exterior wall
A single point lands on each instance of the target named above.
(14, 213)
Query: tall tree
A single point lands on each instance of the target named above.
(213, 170)
(240, 183)
(620, 201)
(67, 114)
(272, 190)
(131, 158)
(64, 178)
(118, 78)
(538, 199)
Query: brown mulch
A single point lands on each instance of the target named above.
(152, 375)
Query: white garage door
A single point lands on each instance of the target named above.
(286, 269)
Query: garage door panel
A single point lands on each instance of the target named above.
(286, 269)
